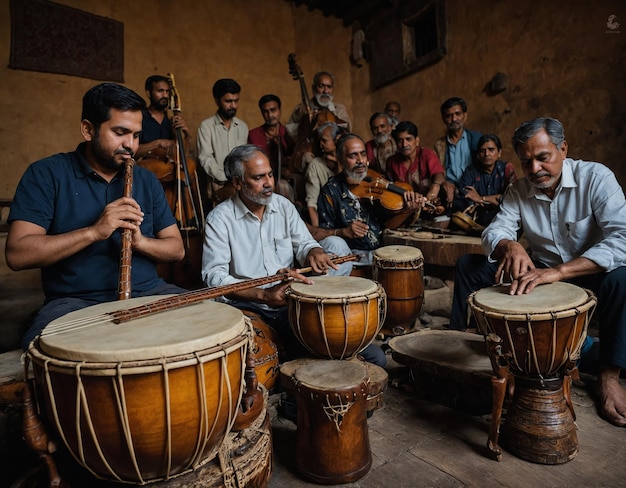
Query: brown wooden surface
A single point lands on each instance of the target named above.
(438, 249)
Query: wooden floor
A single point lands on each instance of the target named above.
(419, 443)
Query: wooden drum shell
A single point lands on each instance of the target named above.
(265, 350)
(337, 328)
(144, 420)
(399, 269)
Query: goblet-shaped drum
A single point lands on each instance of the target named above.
(337, 316)
(147, 399)
(538, 335)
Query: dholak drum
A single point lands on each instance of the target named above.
(143, 400)
(399, 270)
(264, 350)
(337, 316)
(539, 336)
(377, 379)
(332, 441)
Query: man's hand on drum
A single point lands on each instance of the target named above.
(275, 296)
(536, 276)
(514, 262)
(319, 261)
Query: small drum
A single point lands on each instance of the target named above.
(332, 440)
(399, 270)
(264, 350)
(338, 316)
(542, 331)
(377, 379)
(143, 400)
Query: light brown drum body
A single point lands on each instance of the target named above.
(338, 316)
(144, 400)
(538, 336)
(399, 269)
(332, 440)
(264, 350)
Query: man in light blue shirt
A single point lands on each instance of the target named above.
(257, 233)
(573, 216)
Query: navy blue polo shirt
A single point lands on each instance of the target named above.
(62, 193)
(151, 130)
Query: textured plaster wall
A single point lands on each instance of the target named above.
(560, 59)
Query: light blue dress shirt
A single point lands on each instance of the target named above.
(586, 217)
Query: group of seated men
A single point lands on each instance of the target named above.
(69, 209)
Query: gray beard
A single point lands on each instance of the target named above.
(352, 174)
(381, 139)
(323, 100)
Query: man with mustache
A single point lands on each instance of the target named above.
(359, 222)
(257, 233)
(382, 146)
(573, 216)
(69, 210)
(392, 109)
(157, 135)
(220, 133)
(273, 139)
(323, 98)
(418, 166)
(457, 149)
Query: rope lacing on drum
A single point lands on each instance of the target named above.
(336, 413)
(531, 352)
(168, 414)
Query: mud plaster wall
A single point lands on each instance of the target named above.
(561, 61)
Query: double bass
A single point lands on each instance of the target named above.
(312, 117)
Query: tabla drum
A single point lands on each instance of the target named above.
(143, 400)
(399, 269)
(337, 316)
(332, 440)
(264, 350)
(377, 379)
(538, 336)
(541, 331)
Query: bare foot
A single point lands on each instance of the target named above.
(612, 396)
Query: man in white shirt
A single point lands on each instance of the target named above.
(220, 133)
(573, 216)
(257, 233)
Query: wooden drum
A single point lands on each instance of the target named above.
(332, 441)
(542, 331)
(143, 400)
(338, 316)
(264, 350)
(399, 269)
(538, 336)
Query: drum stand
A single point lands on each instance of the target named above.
(540, 419)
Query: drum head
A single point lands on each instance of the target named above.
(548, 298)
(335, 287)
(331, 374)
(78, 336)
(398, 253)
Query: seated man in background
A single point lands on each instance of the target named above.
(257, 233)
(484, 182)
(392, 109)
(418, 166)
(573, 216)
(457, 149)
(382, 146)
(360, 222)
(69, 208)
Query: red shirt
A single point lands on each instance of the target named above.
(421, 171)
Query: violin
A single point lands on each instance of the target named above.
(376, 188)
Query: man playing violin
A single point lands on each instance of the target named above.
(257, 233)
(360, 222)
(157, 134)
(68, 210)
(323, 99)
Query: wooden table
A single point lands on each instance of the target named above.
(438, 249)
